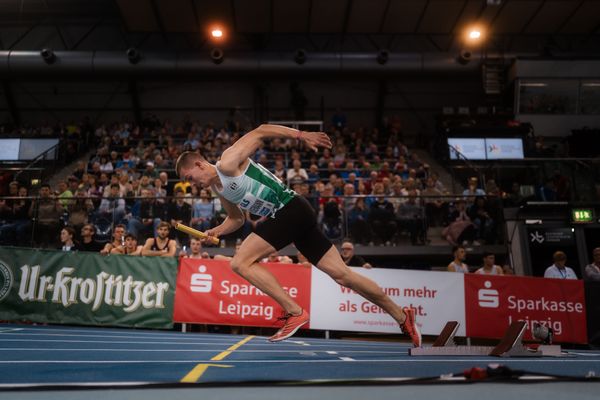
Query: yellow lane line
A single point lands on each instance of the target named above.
(200, 369)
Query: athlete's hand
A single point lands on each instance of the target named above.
(314, 140)
(211, 234)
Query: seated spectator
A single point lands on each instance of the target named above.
(411, 217)
(330, 214)
(46, 212)
(296, 174)
(592, 271)
(508, 270)
(112, 207)
(118, 240)
(87, 242)
(352, 259)
(130, 248)
(559, 270)
(66, 239)
(279, 170)
(358, 218)
(179, 212)
(480, 215)
(182, 184)
(313, 173)
(195, 250)
(160, 245)
(460, 229)
(80, 170)
(146, 214)
(203, 211)
(458, 265)
(489, 268)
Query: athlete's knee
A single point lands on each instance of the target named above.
(238, 265)
(343, 277)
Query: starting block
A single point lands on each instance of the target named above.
(511, 345)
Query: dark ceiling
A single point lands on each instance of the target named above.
(318, 25)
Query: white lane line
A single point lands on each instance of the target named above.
(347, 359)
(292, 361)
(32, 385)
(191, 350)
(117, 336)
(282, 344)
(8, 330)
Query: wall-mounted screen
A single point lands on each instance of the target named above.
(472, 149)
(502, 149)
(31, 148)
(9, 149)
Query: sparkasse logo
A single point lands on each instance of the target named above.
(488, 298)
(201, 283)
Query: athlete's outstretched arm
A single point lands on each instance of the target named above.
(250, 142)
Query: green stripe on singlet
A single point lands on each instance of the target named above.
(262, 175)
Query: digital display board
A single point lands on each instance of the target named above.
(502, 149)
(472, 149)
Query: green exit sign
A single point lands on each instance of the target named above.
(583, 215)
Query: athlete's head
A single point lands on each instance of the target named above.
(162, 230)
(193, 167)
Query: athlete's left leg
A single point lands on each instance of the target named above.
(333, 265)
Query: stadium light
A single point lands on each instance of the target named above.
(474, 34)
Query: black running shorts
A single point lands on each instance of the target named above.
(296, 223)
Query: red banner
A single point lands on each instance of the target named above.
(493, 302)
(210, 292)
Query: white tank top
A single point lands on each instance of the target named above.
(256, 190)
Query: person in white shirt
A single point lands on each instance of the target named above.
(297, 171)
(458, 265)
(558, 270)
(489, 268)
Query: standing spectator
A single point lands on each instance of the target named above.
(179, 212)
(358, 217)
(79, 210)
(558, 270)
(473, 190)
(352, 259)
(160, 245)
(411, 217)
(458, 264)
(46, 212)
(381, 217)
(489, 268)
(202, 211)
(435, 208)
(14, 220)
(112, 207)
(130, 248)
(592, 271)
(460, 228)
(195, 250)
(146, 215)
(480, 214)
(64, 194)
(87, 242)
(66, 238)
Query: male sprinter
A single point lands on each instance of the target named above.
(243, 184)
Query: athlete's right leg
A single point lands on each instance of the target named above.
(244, 263)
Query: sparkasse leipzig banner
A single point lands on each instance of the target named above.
(86, 288)
(209, 292)
(493, 302)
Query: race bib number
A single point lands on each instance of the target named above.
(256, 206)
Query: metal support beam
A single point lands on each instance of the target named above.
(10, 102)
(381, 95)
(159, 21)
(346, 20)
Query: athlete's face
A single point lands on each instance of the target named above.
(197, 173)
(163, 232)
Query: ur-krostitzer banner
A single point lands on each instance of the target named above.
(86, 288)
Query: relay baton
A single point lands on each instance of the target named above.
(196, 233)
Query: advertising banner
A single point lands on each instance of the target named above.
(493, 302)
(209, 292)
(86, 288)
(437, 297)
